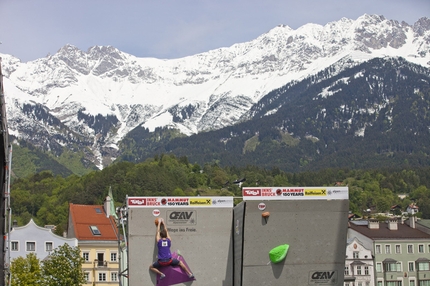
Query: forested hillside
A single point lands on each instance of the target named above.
(373, 115)
(45, 197)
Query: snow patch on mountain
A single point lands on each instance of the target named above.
(100, 95)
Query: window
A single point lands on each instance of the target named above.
(410, 266)
(411, 282)
(113, 276)
(387, 249)
(14, 246)
(391, 266)
(360, 284)
(425, 283)
(355, 255)
(410, 248)
(346, 284)
(423, 266)
(347, 270)
(100, 260)
(102, 276)
(95, 230)
(113, 257)
(86, 256)
(378, 267)
(377, 249)
(421, 248)
(398, 248)
(31, 246)
(399, 266)
(393, 283)
(87, 276)
(358, 270)
(379, 283)
(48, 246)
(366, 270)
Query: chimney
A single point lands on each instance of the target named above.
(392, 224)
(373, 224)
(412, 221)
(107, 206)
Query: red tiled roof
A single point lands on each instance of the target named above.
(84, 216)
(403, 232)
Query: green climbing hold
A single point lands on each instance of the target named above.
(278, 253)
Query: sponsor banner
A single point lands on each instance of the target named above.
(160, 202)
(324, 277)
(295, 193)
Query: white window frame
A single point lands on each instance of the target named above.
(86, 253)
(103, 276)
(366, 270)
(412, 282)
(17, 245)
(27, 243)
(378, 249)
(399, 266)
(411, 263)
(411, 246)
(46, 246)
(114, 276)
(346, 272)
(421, 248)
(387, 249)
(378, 267)
(115, 257)
(398, 249)
(87, 276)
(359, 270)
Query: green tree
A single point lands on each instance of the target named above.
(26, 271)
(64, 267)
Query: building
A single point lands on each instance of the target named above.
(412, 209)
(358, 264)
(97, 235)
(32, 238)
(401, 252)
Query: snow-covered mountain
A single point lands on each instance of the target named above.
(89, 101)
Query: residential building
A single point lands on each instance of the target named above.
(412, 209)
(359, 269)
(97, 235)
(32, 238)
(401, 252)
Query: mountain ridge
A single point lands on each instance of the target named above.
(95, 98)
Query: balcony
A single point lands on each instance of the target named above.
(100, 263)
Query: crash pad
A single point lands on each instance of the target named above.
(174, 274)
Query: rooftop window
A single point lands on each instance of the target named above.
(95, 230)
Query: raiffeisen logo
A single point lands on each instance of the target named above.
(251, 192)
(137, 202)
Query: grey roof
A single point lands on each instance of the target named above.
(403, 232)
(424, 222)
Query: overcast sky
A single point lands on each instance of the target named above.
(31, 29)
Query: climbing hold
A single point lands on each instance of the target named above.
(265, 214)
(278, 253)
(156, 221)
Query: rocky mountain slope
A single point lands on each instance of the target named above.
(89, 101)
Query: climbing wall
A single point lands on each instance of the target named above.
(311, 220)
(201, 231)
